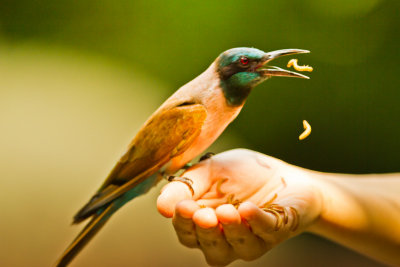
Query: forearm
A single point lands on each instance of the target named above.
(361, 212)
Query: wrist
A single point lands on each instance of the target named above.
(338, 208)
(358, 212)
(322, 195)
(310, 199)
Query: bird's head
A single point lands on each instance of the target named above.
(240, 69)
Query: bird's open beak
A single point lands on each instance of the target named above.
(269, 71)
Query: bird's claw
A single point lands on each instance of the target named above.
(184, 180)
(206, 156)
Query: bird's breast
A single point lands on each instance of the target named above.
(219, 115)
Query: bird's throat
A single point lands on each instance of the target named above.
(234, 93)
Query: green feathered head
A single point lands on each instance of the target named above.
(240, 69)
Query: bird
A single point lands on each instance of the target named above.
(183, 127)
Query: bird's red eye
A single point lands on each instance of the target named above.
(244, 60)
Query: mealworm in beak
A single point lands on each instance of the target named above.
(293, 62)
(307, 130)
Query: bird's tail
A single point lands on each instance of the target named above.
(99, 218)
(90, 230)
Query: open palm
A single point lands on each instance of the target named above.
(244, 203)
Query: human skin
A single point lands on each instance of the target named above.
(359, 211)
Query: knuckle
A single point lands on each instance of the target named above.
(185, 234)
(236, 241)
(208, 243)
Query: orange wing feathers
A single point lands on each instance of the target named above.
(166, 135)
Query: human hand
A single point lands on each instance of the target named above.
(244, 204)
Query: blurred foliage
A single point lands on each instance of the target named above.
(351, 100)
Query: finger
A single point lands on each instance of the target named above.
(262, 223)
(176, 191)
(170, 195)
(200, 174)
(212, 242)
(183, 223)
(212, 203)
(247, 245)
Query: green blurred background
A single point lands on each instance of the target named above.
(78, 78)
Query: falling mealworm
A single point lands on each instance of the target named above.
(293, 62)
(307, 130)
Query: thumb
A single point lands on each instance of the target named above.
(176, 191)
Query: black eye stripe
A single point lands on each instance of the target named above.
(237, 66)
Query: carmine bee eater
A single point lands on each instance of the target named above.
(184, 126)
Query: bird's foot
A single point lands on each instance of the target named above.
(206, 156)
(184, 180)
(235, 202)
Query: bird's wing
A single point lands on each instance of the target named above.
(163, 137)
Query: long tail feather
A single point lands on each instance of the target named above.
(82, 214)
(100, 217)
(86, 235)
